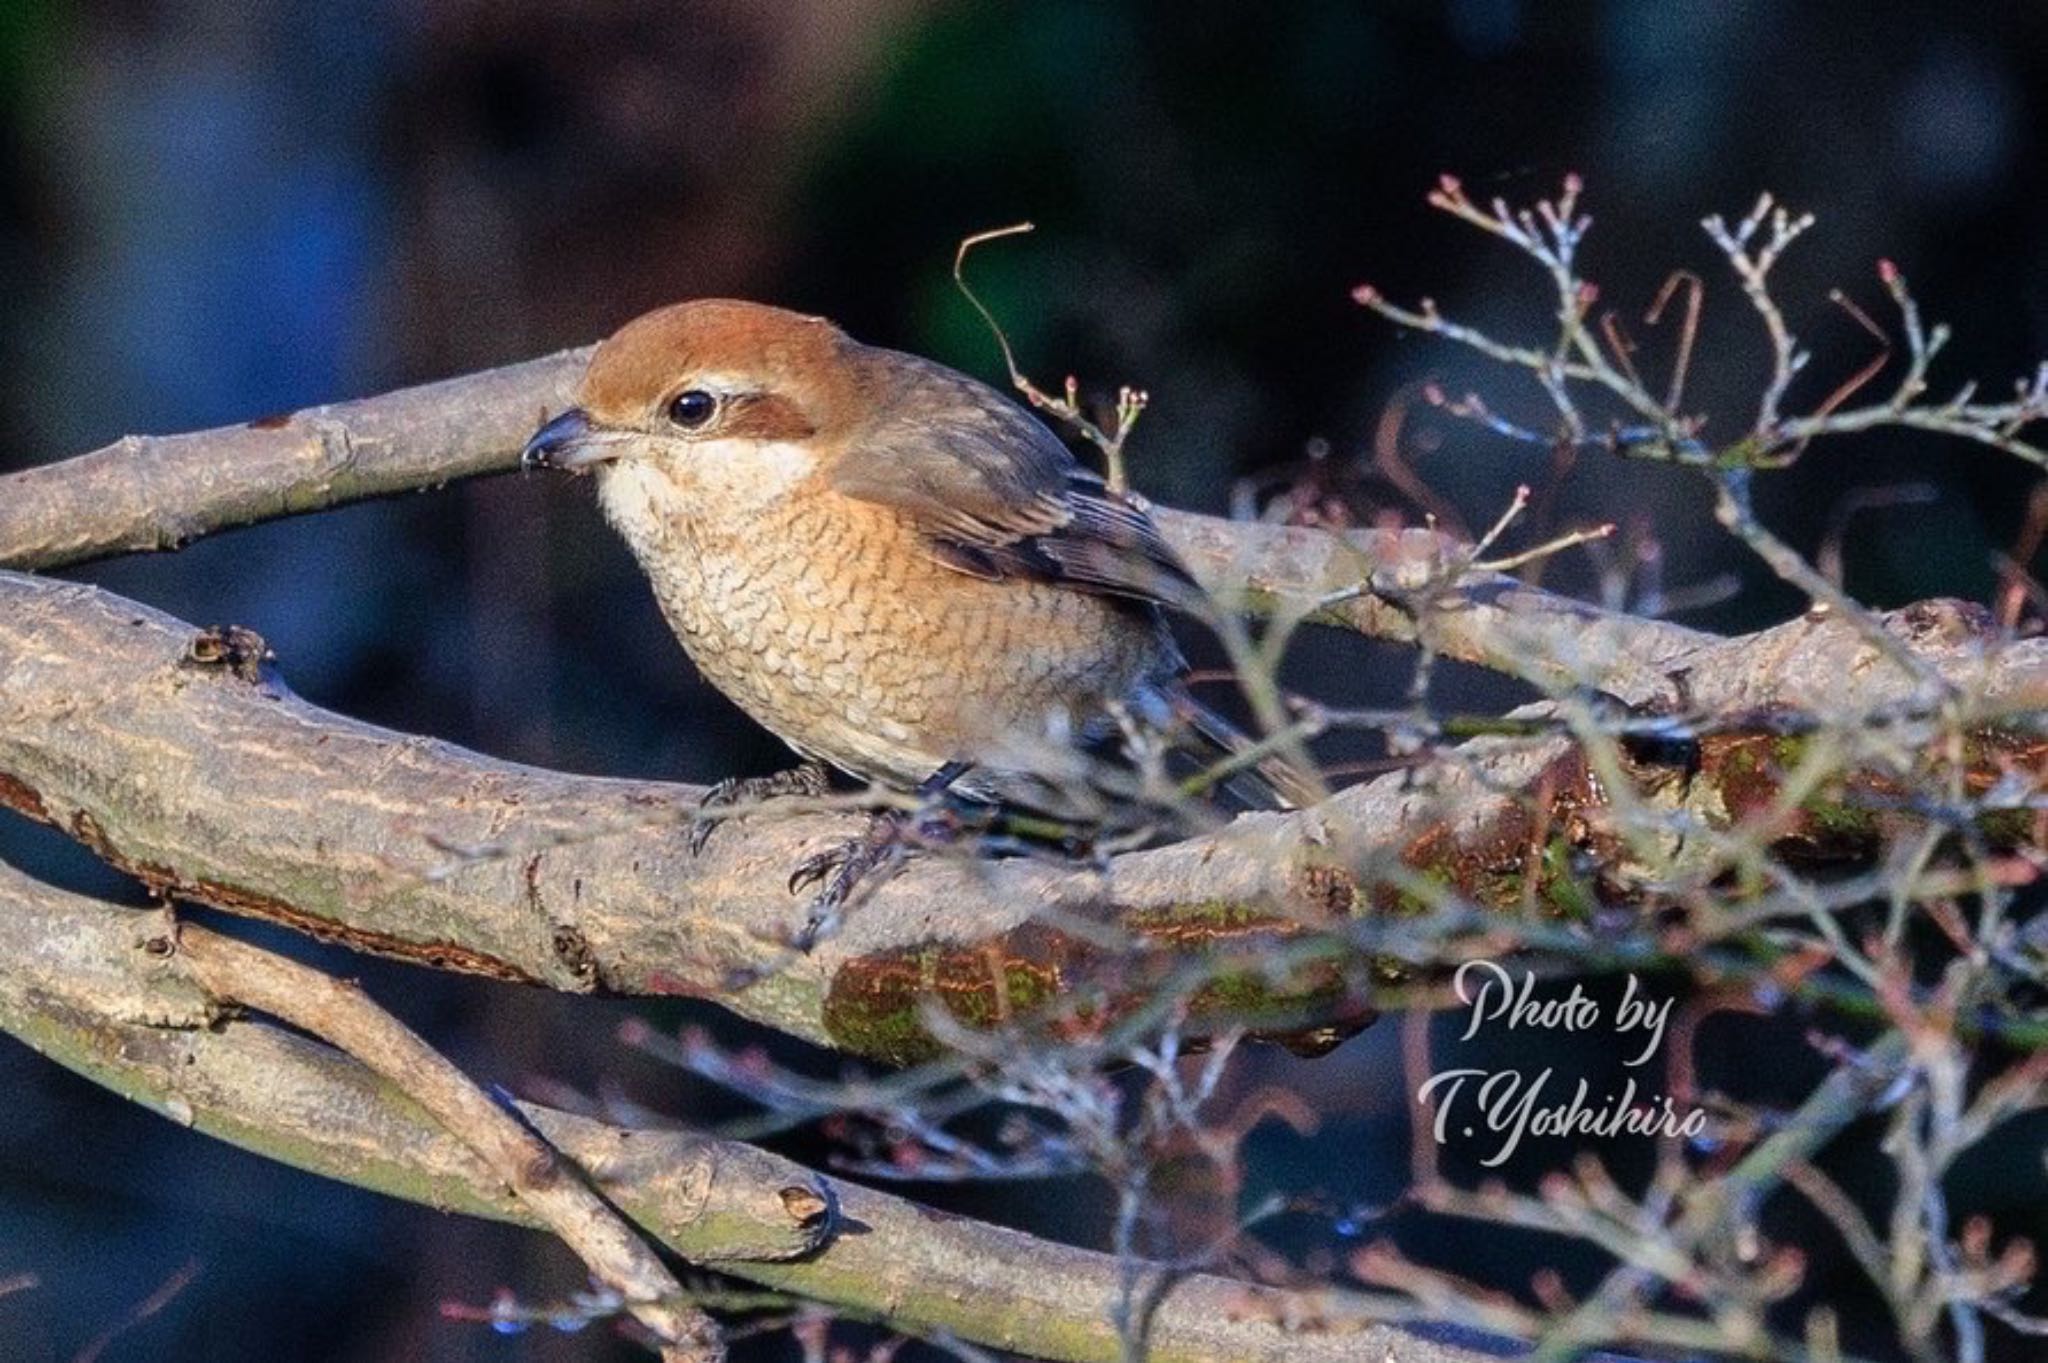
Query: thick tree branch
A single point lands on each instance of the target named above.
(105, 992)
(180, 756)
(191, 766)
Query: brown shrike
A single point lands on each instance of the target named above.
(890, 565)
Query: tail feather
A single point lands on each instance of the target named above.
(1268, 781)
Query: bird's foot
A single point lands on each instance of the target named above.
(734, 796)
(857, 868)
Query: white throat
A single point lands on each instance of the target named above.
(647, 497)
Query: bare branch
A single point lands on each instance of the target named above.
(147, 493)
(1130, 402)
(1550, 235)
(104, 991)
(191, 766)
(341, 1014)
(159, 492)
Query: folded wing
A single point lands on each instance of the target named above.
(998, 495)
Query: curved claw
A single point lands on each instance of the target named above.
(808, 779)
(706, 818)
(815, 868)
(700, 833)
(854, 868)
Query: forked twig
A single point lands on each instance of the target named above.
(1130, 402)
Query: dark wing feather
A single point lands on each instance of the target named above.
(999, 495)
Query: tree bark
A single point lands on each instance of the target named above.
(180, 756)
(105, 991)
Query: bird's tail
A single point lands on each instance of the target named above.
(1260, 780)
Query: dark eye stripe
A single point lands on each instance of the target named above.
(764, 416)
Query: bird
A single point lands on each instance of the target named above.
(897, 570)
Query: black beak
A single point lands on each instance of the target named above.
(567, 442)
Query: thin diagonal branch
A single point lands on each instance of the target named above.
(145, 493)
(341, 1014)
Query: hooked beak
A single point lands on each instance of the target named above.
(568, 442)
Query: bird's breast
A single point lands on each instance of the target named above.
(829, 621)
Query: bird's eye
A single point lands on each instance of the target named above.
(692, 408)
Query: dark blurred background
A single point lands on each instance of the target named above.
(212, 211)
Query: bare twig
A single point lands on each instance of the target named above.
(165, 1293)
(1551, 234)
(1130, 402)
(1753, 268)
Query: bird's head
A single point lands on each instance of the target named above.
(709, 389)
